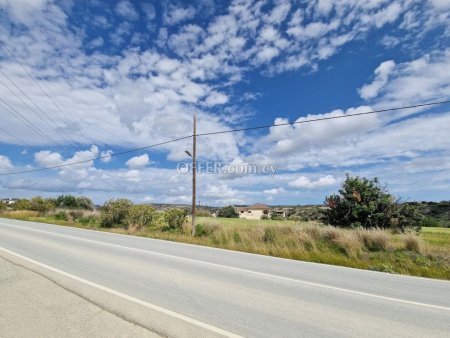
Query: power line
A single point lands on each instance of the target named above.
(229, 131)
(33, 76)
(15, 137)
(41, 112)
(324, 118)
(27, 122)
(97, 158)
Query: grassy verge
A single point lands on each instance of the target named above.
(426, 254)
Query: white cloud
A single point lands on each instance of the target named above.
(274, 191)
(126, 9)
(106, 156)
(382, 73)
(133, 176)
(138, 161)
(420, 80)
(175, 14)
(304, 182)
(5, 163)
(267, 54)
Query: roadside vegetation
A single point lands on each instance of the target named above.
(362, 227)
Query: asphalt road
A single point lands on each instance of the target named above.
(244, 294)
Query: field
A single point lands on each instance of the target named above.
(425, 254)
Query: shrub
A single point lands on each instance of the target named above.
(431, 222)
(88, 220)
(73, 202)
(61, 216)
(175, 218)
(22, 204)
(227, 212)
(115, 212)
(75, 214)
(41, 205)
(202, 213)
(85, 203)
(264, 217)
(200, 230)
(276, 217)
(413, 243)
(2, 206)
(140, 215)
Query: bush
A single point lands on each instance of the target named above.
(75, 214)
(140, 216)
(365, 203)
(276, 217)
(175, 218)
(88, 220)
(61, 216)
(22, 204)
(202, 213)
(72, 202)
(431, 222)
(2, 206)
(200, 230)
(114, 212)
(227, 212)
(41, 205)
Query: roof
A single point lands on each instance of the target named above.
(258, 206)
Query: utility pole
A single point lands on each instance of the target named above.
(194, 171)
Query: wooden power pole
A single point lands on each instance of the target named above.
(194, 171)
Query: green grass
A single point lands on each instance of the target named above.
(426, 254)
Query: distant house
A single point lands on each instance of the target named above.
(255, 211)
(9, 201)
(280, 212)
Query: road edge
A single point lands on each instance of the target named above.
(152, 317)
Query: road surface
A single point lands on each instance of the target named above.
(243, 294)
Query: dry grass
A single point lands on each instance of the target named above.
(413, 243)
(19, 214)
(374, 240)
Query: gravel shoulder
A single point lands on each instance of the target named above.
(33, 306)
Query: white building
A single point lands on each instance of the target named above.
(255, 211)
(9, 201)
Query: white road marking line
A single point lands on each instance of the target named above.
(335, 288)
(127, 297)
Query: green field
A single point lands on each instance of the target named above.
(425, 254)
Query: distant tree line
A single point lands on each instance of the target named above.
(43, 205)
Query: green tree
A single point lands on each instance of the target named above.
(114, 212)
(74, 202)
(227, 212)
(141, 215)
(362, 202)
(175, 218)
(85, 203)
(66, 201)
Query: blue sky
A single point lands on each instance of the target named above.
(115, 75)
